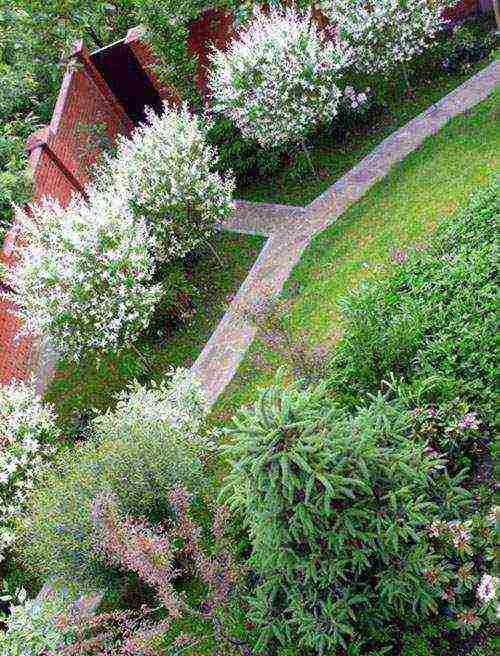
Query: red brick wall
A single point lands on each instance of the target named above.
(60, 156)
(465, 8)
(84, 100)
(15, 354)
(213, 28)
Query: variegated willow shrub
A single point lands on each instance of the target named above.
(152, 442)
(386, 35)
(167, 171)
(280, 79)
(87, 275)
(84, 274)
(353, 520)
(28, 438)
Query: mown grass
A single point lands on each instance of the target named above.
(400, 210)
(334, 155)
(77, 390)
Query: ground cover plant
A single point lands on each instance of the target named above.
(365, 243)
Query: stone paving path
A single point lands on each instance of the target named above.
(290, 229)
(263, 218)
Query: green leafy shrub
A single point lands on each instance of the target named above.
(456, 430)
(148, 446)
(33, 629)
(245, 158)
(337, 508)
(432, 324)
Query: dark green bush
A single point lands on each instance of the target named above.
(432, 324)
(460, 46)
(246, 159)
(338, 509)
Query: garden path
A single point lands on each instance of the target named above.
(290, 229)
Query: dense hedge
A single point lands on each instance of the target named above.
(152, 442)
(432, 324)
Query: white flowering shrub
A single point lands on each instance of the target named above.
(385, 34)
(84, 275)
(278, 80)
(166, 170)
(28, 432)
(177, 403)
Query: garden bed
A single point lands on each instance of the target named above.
(361, 511)
(216, 276)
(334, 152)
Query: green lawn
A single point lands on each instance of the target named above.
(333, 156)
(400, 210)
(216, 276)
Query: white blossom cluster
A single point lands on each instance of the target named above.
(166, 170)
(84, 273)
(385, 34)
(279, 79)
(486, 589)
(28, 432)
(84, 276)
(177, 403)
